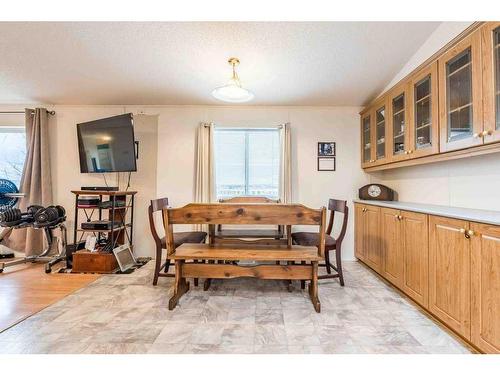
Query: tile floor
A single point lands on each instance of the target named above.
(126, 314)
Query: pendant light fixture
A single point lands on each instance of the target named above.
(233, 92)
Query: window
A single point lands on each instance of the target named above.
(247, 162)
(13, 152)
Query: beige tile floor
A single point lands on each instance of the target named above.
(126, 314)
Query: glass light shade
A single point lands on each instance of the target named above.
(232, 92)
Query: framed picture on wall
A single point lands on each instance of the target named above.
(326, 163)
(326, 148)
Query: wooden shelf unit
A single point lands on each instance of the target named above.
(116, 235)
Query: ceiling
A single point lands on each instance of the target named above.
(159, 63)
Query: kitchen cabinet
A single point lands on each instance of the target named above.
(368, 235)
(379, 130)
(391, 238)
(449, 266)
(490, 45)
(424, 114)
(485, 287)
(447, 109)
(367, 151)
(398, 135)
(460, 99)
(449, 272)
(404, 252)
(416, 251)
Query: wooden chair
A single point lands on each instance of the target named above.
(245, 214)
(312, 239)
(179, 238)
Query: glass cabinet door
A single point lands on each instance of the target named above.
(496, 62)
(399, 125)
(461, 112)
(366, 139)
(491, 82)
(380, 133)
(423, 115)
(459, 96)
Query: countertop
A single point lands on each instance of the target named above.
(469, 214)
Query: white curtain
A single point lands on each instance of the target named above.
(286, 164)
(205, 167)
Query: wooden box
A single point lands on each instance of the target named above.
(85, 261)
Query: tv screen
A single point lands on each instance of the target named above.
(107, 145)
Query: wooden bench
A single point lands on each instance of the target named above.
(269, 236)
(245, 214)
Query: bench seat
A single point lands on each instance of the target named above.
(296, 253)
(250, 233)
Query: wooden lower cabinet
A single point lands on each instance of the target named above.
(367, 236)
(371, 237)
(404, 248)
(391, 239)
(485, 287)
(359, 228)
(416, 252)
(449, 273)
(450, 267)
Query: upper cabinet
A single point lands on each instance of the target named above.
(367, 154)
(446, 109)
(490, 44)
(460, 100)
(424, 115)
(379, 129)
(398, 139)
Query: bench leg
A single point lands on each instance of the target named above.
(313, 287)
(181, 286)
(302, 282)
(289, 282)
(206, 284)
(196, 279)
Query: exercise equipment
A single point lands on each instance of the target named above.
(48, 219)
(9, 196)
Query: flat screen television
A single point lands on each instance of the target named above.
(107, 145)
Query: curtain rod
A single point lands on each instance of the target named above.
(22, 112)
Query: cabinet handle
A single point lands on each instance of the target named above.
(363, 210)
(400, 217)
(487, 132)
(462, 230)
(407, 152)
(410, 151)
(471, 233)
(478, 135)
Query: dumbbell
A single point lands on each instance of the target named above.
(49, 215)
(15, 215)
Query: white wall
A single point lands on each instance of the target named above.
(66, 174)
(176, 150)
(167, 162)
(472, 182)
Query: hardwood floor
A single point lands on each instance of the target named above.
(27, 289)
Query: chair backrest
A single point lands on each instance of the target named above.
(155, 206)
(249, 199)
(335, 205)
(244, 214)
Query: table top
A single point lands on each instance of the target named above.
(469, 214)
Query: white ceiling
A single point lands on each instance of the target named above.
(309, 63)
